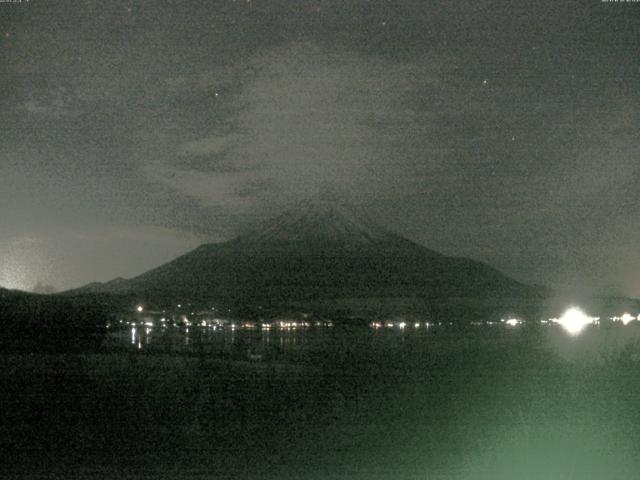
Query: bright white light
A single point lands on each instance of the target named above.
(512, 322)
(626, 318)
(574, 320)
(139, 308)
(402, 324)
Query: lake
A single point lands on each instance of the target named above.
(482, 402)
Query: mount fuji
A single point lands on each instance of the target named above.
(316, 251)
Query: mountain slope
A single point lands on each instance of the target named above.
(318, 250)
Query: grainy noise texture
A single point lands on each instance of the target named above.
(501, 131)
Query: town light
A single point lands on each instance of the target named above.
(574, 320)
(626, 318)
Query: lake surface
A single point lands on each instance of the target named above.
(269, 343)
(484, 402)
(397, 343)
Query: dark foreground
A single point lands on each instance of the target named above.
(485, 403)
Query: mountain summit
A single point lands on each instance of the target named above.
(316, 251)
(330, 221)
(319, 225)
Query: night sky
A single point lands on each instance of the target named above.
(508, 132)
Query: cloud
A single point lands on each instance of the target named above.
(210, 145)
(51, 104)
(307, 119)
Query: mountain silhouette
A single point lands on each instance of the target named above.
(317, 250)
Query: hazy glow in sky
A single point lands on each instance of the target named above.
(23, 260)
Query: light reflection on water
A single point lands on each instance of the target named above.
(229, 341)
(594, 342)
(212, 338)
